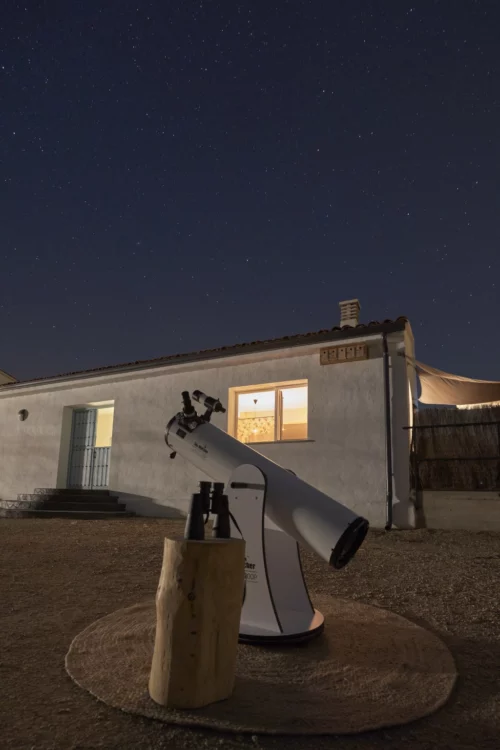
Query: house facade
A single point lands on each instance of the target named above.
(332, 406)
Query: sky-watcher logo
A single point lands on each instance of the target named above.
(250, 573)
(200, 447)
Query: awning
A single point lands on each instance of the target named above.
(454, 390)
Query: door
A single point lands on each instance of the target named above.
(90, 448)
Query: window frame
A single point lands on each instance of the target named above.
(278, 408)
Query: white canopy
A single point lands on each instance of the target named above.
(443, 388)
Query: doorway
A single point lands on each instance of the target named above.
(90, 448)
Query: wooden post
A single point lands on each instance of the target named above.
(198, 608)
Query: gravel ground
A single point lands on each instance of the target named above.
(57, 576)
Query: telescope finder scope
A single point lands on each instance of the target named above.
(209, 402)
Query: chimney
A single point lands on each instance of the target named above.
(349, 312)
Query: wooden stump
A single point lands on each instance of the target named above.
(198, 609)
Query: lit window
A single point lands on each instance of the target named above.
(272, 414)
(104, 427)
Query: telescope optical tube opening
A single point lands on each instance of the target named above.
(349, 543)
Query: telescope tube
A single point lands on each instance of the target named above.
(313, 519)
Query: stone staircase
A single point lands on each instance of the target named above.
(65, 503)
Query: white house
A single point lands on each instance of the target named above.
(329, 405)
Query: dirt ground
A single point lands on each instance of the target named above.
(57, 576)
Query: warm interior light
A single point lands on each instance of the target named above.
(256, 416)
(258, 412)
(104, 427)
(294, 413)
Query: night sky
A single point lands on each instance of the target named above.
(183, 175)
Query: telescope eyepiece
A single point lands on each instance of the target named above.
(187, 406)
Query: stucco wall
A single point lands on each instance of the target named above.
(344, 457)
(403, 386)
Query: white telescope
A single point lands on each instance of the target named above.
(274, 511)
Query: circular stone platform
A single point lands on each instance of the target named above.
(369, 669)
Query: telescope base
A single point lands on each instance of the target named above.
(276, 605)
(260, 637)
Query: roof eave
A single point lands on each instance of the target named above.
(347, 332)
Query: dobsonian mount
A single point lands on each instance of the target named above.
(274, 511)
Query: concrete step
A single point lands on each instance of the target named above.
(43, 504)
(69, 491)
(43, 497)
(470, 511)
(76, 515)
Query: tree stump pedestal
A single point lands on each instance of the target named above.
(198, 609)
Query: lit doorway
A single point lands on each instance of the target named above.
(90, 448)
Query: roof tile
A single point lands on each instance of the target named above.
(232, 350)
